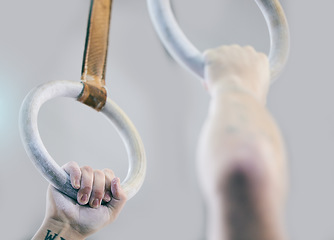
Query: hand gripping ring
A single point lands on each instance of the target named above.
(185, 53)
(44, 162)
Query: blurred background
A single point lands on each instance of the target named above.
(43, 41)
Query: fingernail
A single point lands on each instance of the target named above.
(107, 197)
(77, 184)
(84, 198)
(96, 203)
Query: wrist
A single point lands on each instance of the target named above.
(235, 84)
(57, 230)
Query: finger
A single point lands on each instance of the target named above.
(250, 49)
(98, 189)
(210, 56)
(263, 57)
(109, 176)
(73, 169)
(118, 195)
(87, 177)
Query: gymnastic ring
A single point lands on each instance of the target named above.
(186, 54)
(44, 162)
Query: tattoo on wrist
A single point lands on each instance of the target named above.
(49, 236)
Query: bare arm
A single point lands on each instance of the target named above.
(241, 159)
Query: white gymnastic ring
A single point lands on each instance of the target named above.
(186, 54)
(44, 162)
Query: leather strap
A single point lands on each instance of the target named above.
(94, 93)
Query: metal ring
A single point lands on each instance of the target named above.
(186, 54)
(44, 162)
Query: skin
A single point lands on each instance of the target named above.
(241, 159)
(241, 162)
(79, 219)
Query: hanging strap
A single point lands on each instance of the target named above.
(94, 93)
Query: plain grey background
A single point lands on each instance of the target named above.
(43, 40)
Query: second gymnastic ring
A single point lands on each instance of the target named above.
(44, 162)
(185, 53)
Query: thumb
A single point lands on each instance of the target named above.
(119, 197)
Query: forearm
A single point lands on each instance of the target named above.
(237, 118)
(56, 230)
(242, 165)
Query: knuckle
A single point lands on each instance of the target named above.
(235, 46)
(209, 55)
(98, 173)
(249, 48)
(263, 56)
(66, 165)
(111, 172)
(86, 190)
(71, 163)
(98, 193)
(108, 172)
(87, 169)
(223, 47)
(208, 52)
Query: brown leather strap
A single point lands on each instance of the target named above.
(94, 63)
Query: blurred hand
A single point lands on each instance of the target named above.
(240, 66)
